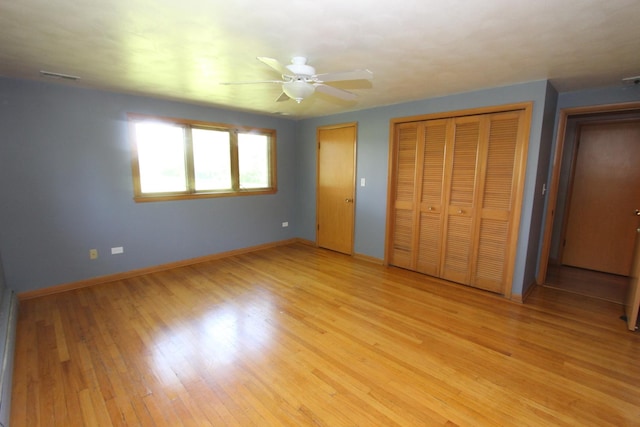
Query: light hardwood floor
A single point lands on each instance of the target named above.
(299, 336)
(595, 284)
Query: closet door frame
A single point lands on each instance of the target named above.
(518, 183)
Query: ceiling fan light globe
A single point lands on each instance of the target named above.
(298, 90)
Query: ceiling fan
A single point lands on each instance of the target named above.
(299, 80)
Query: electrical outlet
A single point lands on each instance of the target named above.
(93, 254)
(285, 224)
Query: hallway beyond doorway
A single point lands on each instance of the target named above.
(595, 284)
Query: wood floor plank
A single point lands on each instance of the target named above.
(300, 336)
(122, 412)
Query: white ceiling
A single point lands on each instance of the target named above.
(183, 49)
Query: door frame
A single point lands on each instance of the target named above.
(554, 182)
(353, 185)
(615, 120)
(632, 301)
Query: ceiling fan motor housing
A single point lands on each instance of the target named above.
(299, 67)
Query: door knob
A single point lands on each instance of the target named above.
(348, 200)
(637, 212)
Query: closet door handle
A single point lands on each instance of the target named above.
(460, 211)
(348, 200)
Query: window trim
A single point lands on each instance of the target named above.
(191, 192)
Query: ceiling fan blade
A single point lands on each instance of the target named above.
(334, 91)
(275, 64)
(251, 83)
(283, 97)
(345, 75)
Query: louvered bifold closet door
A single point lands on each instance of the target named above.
(431, 196)
(403, 235)
(499, 157)
(460, 170)
(455, 196)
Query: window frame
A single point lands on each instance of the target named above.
(191, 192)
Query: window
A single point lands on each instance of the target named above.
(179, 159)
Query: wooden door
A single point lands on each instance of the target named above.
(418, 196)
(455, 195)
(499, 175)
(460, 184)
(632, 301)
(600, 233)
(402, 251)
(431, 169)
(336, 187)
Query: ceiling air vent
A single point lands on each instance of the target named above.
(53, 75)
(631, 80)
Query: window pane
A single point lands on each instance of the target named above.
(161, 157)
(253, 159)
(211, 159)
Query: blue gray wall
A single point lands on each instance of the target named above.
(65, 181)
(539, 196)
(65, 186)
(599, 96)
(3, 284)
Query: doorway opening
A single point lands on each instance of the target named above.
(571, 270)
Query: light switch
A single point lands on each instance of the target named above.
(362, 182)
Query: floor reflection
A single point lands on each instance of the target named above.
(213, 340)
